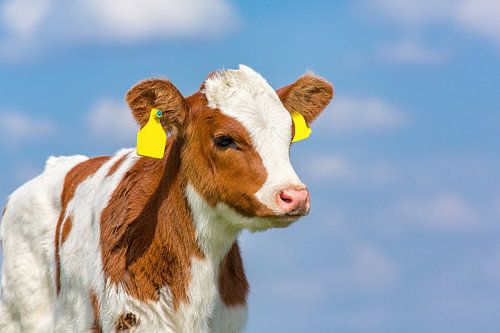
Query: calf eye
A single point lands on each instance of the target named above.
(224, 142)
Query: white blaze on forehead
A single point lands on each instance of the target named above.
(246, 96)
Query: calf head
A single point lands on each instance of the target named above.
(236, 133)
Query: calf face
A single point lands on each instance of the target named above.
(236, 134)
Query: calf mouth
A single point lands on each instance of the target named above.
(283, 221)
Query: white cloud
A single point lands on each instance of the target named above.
(476, 16)
(354, 115)
(28, 24)
(412, 53)
(111, 119)
(23, 17)
(16, 126)
(480, 16)
(409, 12)
(440, 211)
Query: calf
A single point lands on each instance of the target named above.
(133, 243)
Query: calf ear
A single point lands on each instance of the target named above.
(309, 96)
(159, 94)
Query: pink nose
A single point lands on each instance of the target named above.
(294, 201)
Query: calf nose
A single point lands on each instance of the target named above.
(294, 201)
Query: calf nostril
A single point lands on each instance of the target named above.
(285, 198)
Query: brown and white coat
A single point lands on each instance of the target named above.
(130, 243)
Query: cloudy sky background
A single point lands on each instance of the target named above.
(403, 167)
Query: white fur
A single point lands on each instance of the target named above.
(215, 233)
(27, 232)
(228, 319)
(246, 96)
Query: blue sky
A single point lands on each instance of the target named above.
(403, 166)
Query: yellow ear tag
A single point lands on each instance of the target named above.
(302, 131)
(151, 139)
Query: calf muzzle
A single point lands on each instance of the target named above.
(293, 201)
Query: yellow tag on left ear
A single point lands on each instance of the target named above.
(151, 139)
(302, 131)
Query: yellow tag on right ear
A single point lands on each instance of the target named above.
(151, 139)
(302, 131)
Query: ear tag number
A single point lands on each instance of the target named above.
(302, 131)
(151, 139)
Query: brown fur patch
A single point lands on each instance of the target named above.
(73, 178)
(126, 322)
(233, 284)
(309, 96)
(66, 229)
(96, 325)
(147, 236)
(232, 176)
(115, 166)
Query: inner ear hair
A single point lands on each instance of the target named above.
(309, 96)
(160, 94)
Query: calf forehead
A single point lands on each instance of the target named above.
(246, 96)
